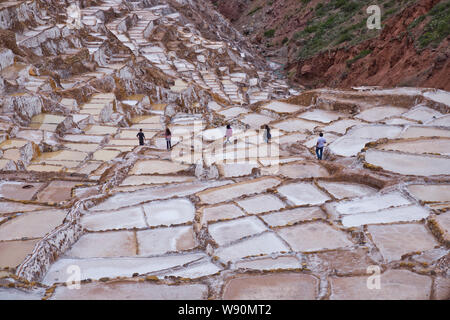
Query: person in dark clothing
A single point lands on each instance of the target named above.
(267, 135)
(141, 137)
(168, 135)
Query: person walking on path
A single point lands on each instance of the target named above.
(168, 136)
(228, 133)
(320, 145)
(267, 135)
(141, 137)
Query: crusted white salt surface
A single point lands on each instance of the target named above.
(155, 193)
(395, 285)
(301, 170)
(265, 243)
(398, 239)
(31, 135)
(233, 112)
(422, 113)
(105, 155)
(341, 126)
(401, 121)
(96, 268)
(104, 244)
(401, 214)
(430, 192)
(293, 125)
(314, 236)
(221, 212)
(281, 107)
(13, 253)
(16, 207)
(162, 240)
(438, 96)
(31, 225)
(291, 216)
(120, 219)
(126, 290)
(236, 169)
(292, 138)
(379, 113)
(17, 190)
(228, 231)
(283, 262)
(441, 121)
(409, 164)
(341, 190)
(319, 115)
(356, 138)
(83, 138)
(17, 294)
(261, 203)
(149, 180)
(168, 212)
(435, 146)
(303, 193)
(221, 194)
(213, 134)
(372, 203)
(422, 131)
(84, 147)
(255, 121)
(194, 271)
(157, 166)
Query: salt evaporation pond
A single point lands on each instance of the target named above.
(409, 164)
(303, 194)
(356, 138)
(435, 146)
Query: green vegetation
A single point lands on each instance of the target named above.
(416, 22)
(438, 28)
(269, 33)
(254, 10)
(341, 22)
(361, 55)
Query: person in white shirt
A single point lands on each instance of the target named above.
(319, 146)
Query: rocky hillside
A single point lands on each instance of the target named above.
(327, 43)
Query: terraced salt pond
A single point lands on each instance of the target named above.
(355, 140)
(281, 107)
(243, 220)
(341, 190)
(96, 268)
(303, 194)
(319, 115)
(380, 113)
(430, 193)
(409, 164)
(434, 146)
(296, 125)
(225, 193)
(387, 208)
